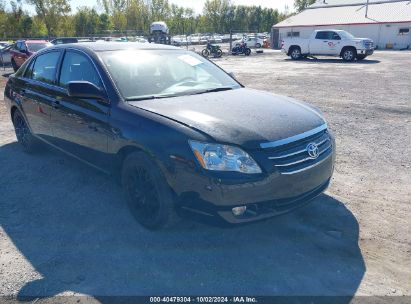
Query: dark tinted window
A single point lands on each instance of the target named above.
(335, 36)
(76, 67)
(326, 35)
(44, 68)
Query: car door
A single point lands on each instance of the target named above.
(80, 126)
(320, 44)
(38, 92)
(21, 53)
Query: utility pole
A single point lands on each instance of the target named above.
(366, 9)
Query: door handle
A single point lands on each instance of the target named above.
(55, 104)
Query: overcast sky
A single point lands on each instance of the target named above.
(197, 5)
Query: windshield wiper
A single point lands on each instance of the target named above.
(214, 90)
(147, 97)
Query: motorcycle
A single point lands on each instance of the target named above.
(212, 49)
(241, 49)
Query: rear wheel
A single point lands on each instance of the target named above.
(219, 53)
(148, 195)
(295, 53)
(23, 133)
(349, 54)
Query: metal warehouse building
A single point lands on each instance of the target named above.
(386, 22)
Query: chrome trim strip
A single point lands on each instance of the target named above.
(304, 159)
(285, 141)
(306, 168)
(297, 152)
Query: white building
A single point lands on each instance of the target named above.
(386, 22)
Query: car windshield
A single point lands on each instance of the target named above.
(345, 35)
(35, 47)
(149, 74)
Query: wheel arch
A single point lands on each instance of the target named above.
(347, 47)
(293, 47)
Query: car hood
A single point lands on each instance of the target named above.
(243, 117)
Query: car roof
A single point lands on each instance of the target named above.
(35, 41)
(115, 46)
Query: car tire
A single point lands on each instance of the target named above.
(361, 57)
(14, 65)
(295, 53)
(24, 136)
(349, 54)
(148, 195)
(258, 45)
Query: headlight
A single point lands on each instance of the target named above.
(223, 158)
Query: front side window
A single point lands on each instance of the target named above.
(77, 67)
(141, 74)
(45, 66)
(335, 36)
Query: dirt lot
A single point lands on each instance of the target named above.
(65, 228)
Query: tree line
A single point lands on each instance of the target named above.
(57, 18)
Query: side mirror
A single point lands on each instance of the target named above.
(231, 74)
(85, 89)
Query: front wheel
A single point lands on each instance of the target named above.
(247, 51)
(205, 53)
(349, 54)
(149, 197)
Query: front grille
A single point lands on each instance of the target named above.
(293, 157)
(368, 44)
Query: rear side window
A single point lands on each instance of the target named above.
(327, 35)
(77, 67)
(45, 66)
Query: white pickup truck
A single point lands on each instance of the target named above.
(329, 43)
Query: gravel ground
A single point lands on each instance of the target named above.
(65, 229)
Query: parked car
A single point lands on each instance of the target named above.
(5, 55)
(64, 40)
(175, 129)
(252, 41)
(23, 49)
(329, 43)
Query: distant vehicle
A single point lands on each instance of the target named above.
(252, 41)
(64, 40)
(4, 44)
(241, 48)
(5, 55)
(23, 49)
(329, 43)
(159, 33)
(212, 49)
(122, 39)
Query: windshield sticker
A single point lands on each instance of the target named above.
(190, 60)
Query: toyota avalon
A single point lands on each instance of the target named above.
(175, 129)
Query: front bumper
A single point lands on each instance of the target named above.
(367, 52)
(270, 194)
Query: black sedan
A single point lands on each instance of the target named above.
(177, 130)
